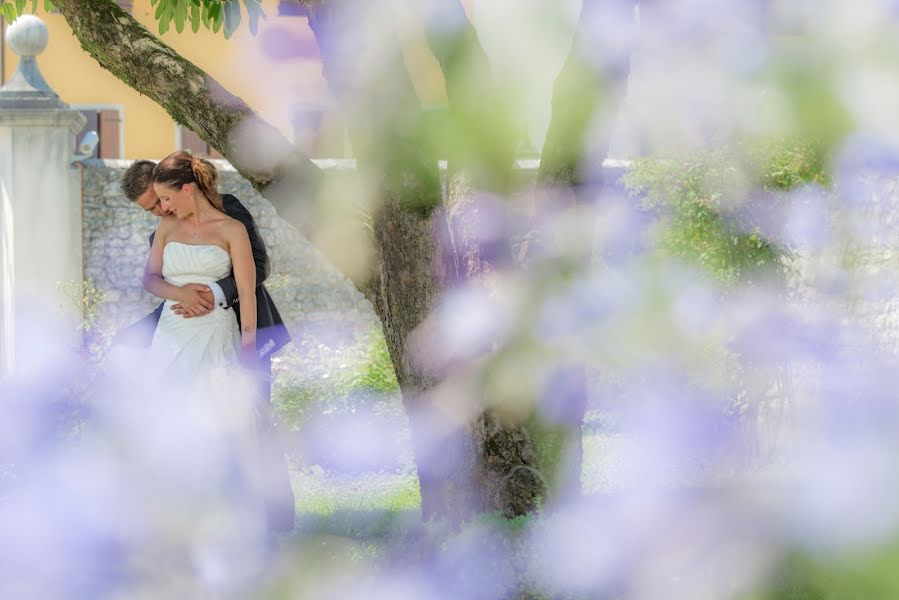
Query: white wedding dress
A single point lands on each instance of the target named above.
(197, 358)
(207, 419)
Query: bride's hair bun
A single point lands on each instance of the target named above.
(181, 167)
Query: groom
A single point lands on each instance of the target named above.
(271, 334)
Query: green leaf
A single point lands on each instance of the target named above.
(217, 19)
(9, 12)
(215, 11)
(231, 9)
(205, 12)
(180, 15)
(254, 12)
(159, 10)
(168, 13)
(195, 17)
(48, 6)
(20, 6)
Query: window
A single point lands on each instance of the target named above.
(107, 122)
(188, 140)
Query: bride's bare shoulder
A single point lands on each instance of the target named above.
(232, 227)
(166, 223)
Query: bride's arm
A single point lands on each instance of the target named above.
(245, 276)
(188, 296)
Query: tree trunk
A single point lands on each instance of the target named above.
(508, 470)
(462, 468)
(586, 98)
(409, 274)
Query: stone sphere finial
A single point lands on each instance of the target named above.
(27, 36)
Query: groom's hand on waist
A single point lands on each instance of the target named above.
(196, 300)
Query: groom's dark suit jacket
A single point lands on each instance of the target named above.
(271, 334)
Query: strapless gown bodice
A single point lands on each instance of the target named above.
(188, 347)
(186, 263)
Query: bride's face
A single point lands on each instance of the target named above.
(175, 201)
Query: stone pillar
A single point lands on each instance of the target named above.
(40, 203)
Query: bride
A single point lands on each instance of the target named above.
(198, 243)
(207, 362)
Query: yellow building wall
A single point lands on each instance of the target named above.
(240, 64)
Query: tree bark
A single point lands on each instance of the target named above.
(194, 99)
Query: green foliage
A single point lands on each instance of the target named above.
(70, 409)
(784, 165)
(217, 15)
(86, 298)
(224, 15)
(10, 9)
(699, 191)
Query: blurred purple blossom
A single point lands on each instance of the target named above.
(799, 220)
(281, 43)
(362, 441)
(867, 168)
(766, 331)
(465, 324)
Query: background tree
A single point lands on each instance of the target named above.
(477, 463)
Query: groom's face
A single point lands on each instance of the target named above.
(149, 201)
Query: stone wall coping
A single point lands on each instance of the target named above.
(65, 118)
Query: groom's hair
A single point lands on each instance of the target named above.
(137, 178)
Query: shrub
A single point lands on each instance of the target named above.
(701, 195)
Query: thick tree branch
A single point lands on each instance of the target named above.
(483, 135)
(587, 88)
(385, 115)
(194, 99)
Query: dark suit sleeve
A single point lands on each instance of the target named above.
(139, 334)
(236, 210)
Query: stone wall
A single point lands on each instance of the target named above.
(308, 291)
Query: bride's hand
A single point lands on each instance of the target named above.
(249, 357)
(195, 300)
